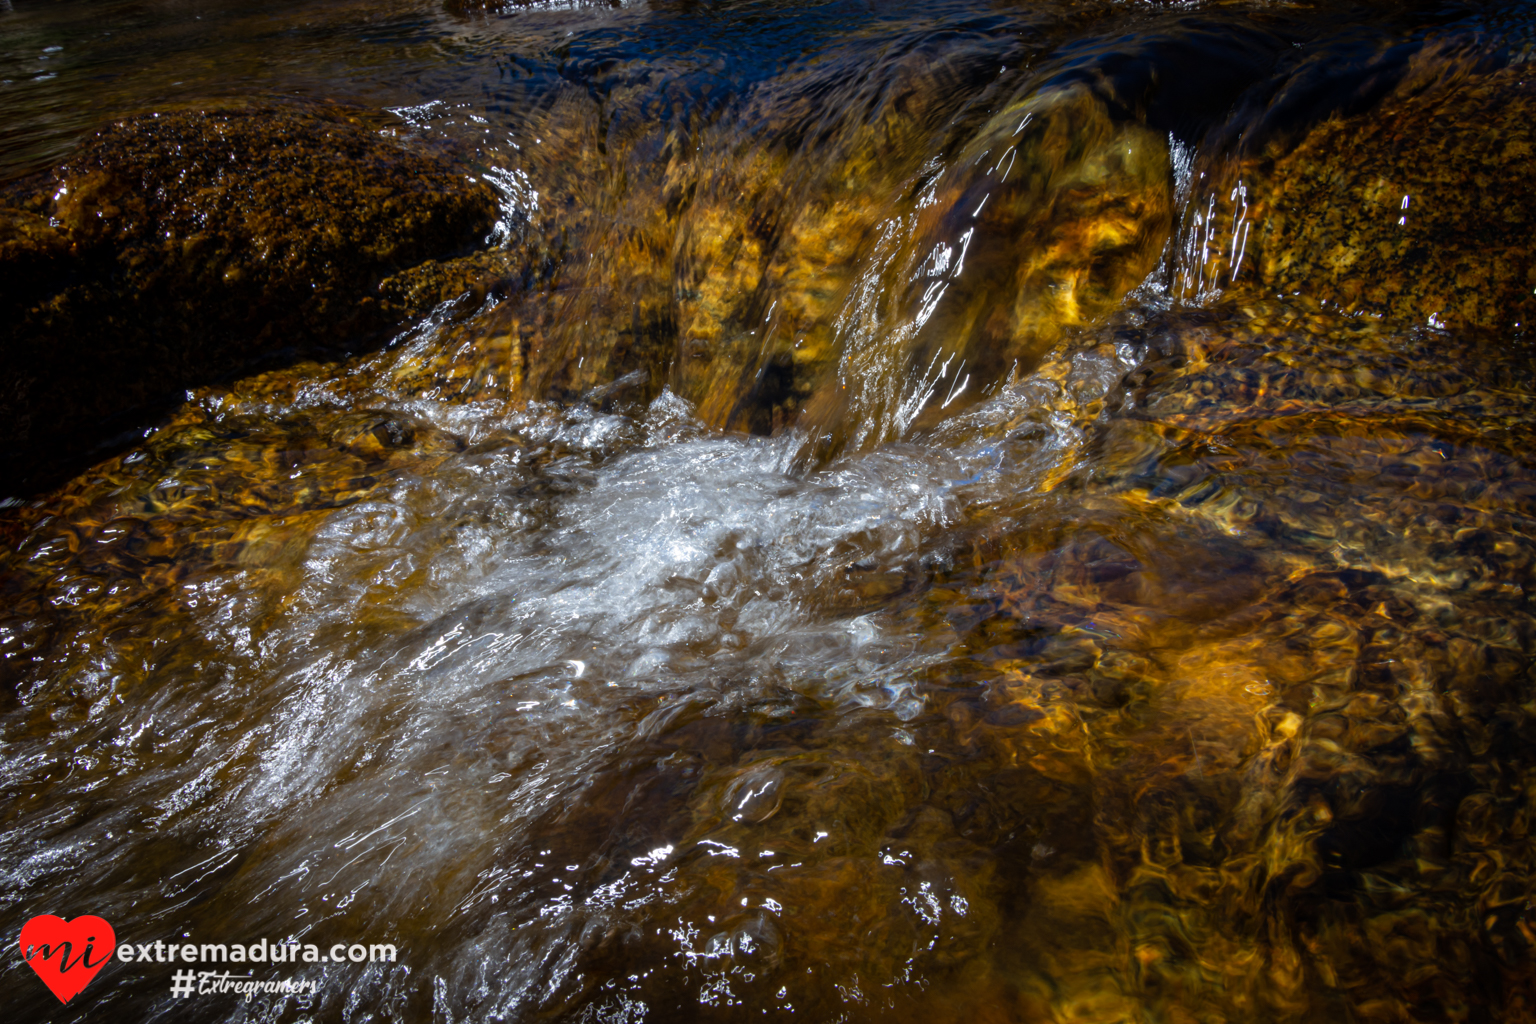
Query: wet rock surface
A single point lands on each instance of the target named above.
(1418, 208)
(1046, 219)
(174, 249)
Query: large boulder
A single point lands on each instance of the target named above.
(1418, 209)
(177, 248)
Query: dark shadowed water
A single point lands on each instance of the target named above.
(1006, 592)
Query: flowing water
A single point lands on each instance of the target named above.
(958, 616)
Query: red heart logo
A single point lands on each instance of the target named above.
(63, 953)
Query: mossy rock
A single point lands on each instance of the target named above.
(1418, 210)
(179, 248)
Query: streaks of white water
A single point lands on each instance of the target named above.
(1239, 229)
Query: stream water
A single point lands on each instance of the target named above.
(1156, 649)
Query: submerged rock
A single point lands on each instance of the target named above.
(862, 306)
(845, 281)
(177, 248)
(1417, 209)
(1047, 219)
(771, 240)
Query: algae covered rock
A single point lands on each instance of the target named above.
(1418, 209)
(177, 248)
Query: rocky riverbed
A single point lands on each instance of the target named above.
(704, 512)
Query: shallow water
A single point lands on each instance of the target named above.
(1156, 649)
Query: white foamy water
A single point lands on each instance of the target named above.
(392, 718)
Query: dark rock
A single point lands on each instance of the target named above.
(180, 248)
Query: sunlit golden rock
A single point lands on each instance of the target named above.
(772, 236)
(221, 493)
(1043, 223)
(1418, 209)
(869, 310)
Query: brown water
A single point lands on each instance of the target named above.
(1032, 643)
